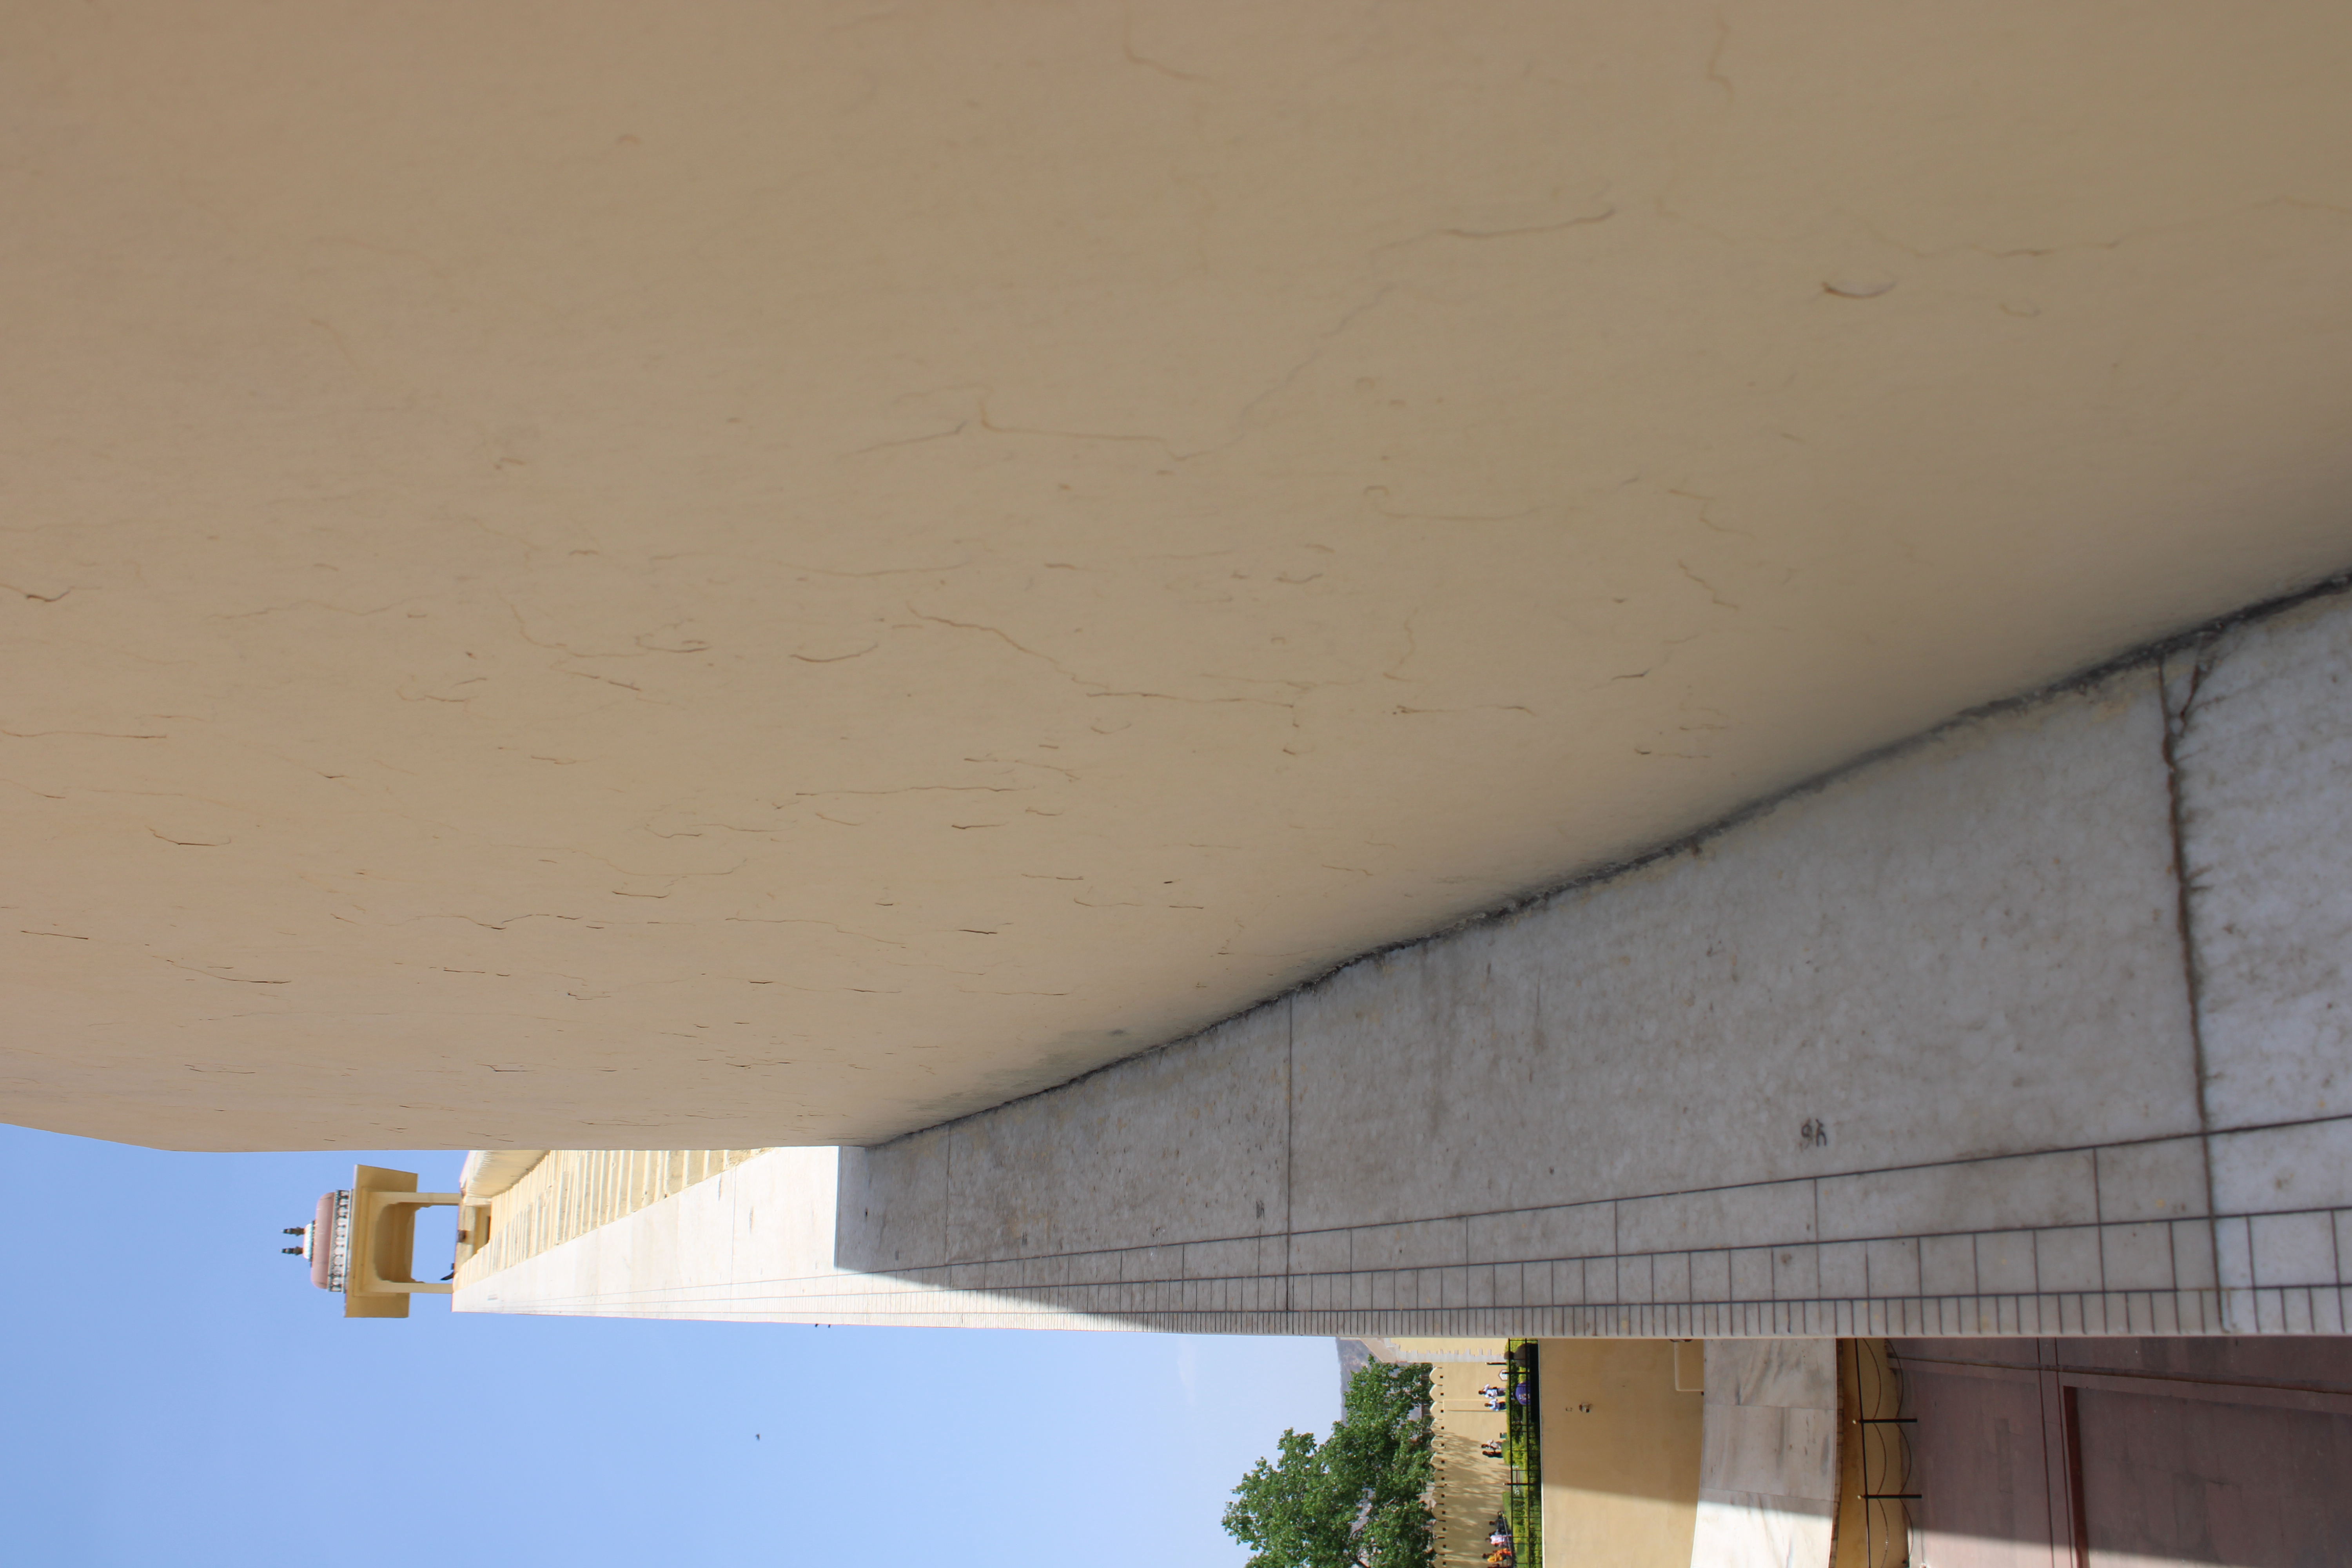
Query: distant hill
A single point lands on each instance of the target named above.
(1353, 1353)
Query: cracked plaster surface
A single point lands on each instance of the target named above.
(792, 574)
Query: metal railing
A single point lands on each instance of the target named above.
(1889, 1483)
(338, 1243)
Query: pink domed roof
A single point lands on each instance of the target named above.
(322, 1240)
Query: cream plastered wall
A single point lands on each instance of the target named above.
(590, 575)
(1620, 1454)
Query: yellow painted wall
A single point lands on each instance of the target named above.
(1621, 1453)
(1469, 1489)
(1438, 1351)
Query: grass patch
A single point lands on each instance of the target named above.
(1523, 1452)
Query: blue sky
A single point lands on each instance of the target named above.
(176, 1393)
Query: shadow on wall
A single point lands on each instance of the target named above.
(2161, 1450)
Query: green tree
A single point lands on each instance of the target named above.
(1358, 1498)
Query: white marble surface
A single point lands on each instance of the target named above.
(1925, 964)
(1972, 950)
(2266, 755)
(753, 1244)
(1785, 1374)
(1983, 1194)
(1745, 1530)
(2302, 1166)
(2163, 1180)
(1768, 1465)
(1768, 1448)
(1931, 958)
(758, 1244)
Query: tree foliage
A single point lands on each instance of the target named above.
(1358, 1498)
